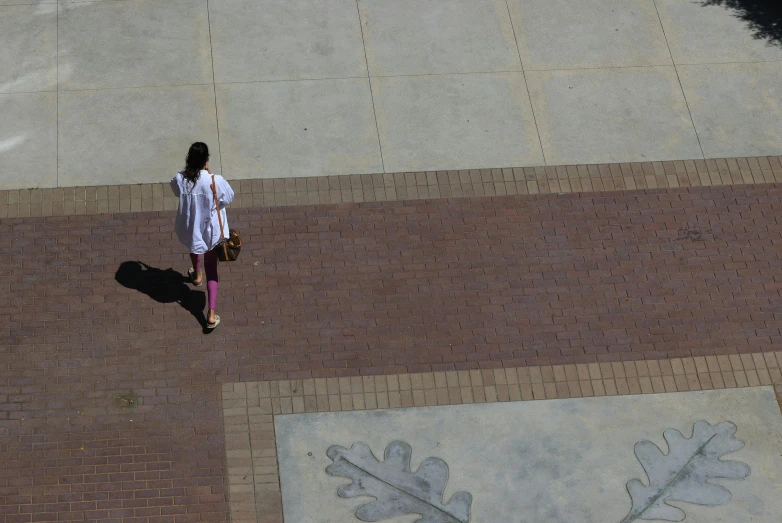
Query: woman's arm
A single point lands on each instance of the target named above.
(175, 186)
(224, 190)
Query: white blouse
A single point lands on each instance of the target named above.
(196, 220)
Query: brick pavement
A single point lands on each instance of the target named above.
(343, 290)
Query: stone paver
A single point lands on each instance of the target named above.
(133, 145)
(29, 129)
(286, 40)
(414, 37)
(427, 123)
(699, 34)
(322, 127)
(348, 290)
(27, 2)
(735, 106)
(28, 58)
(133, 43)
(555, 34)
(604, 115)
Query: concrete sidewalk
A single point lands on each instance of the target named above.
(113, 92)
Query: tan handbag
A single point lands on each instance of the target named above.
(227, 249)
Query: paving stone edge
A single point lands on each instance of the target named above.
(357, 188)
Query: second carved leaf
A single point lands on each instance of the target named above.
(684, 473)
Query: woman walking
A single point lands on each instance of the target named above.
(197, 224)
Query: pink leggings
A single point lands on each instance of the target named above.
(210, 261)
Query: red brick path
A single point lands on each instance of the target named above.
(343, 290)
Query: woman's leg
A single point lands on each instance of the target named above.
(195, 260)
(210, 264)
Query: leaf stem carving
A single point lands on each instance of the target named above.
(632, 516)
(396, 488)
(453, 518)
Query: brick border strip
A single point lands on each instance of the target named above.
(358, 188)
(249, 408)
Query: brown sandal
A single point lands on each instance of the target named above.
(191, 273)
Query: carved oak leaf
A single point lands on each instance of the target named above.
(396, 489)
(683, 473)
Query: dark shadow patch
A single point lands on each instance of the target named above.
(694, 233)
(163, 286)
(764, 17)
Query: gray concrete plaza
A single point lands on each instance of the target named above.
(113, 91)
(551, 461)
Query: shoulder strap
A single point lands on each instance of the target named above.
(217, 206)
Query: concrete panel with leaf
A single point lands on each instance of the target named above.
(556, 461)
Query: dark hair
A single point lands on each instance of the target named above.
(196, 160)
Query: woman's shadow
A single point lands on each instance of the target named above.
(163, 286)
